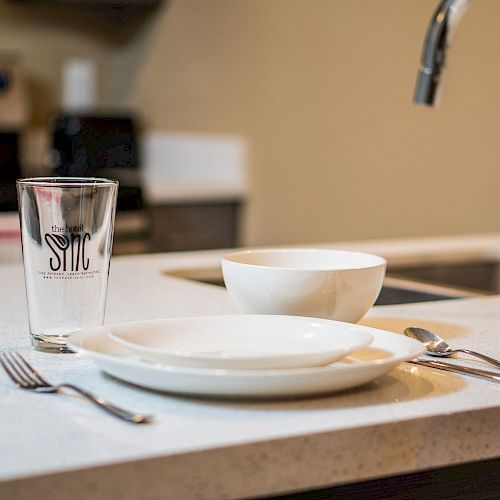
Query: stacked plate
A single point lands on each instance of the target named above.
(244, 355)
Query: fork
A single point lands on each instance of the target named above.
(26, 377)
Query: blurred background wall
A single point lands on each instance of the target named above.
(322, 92)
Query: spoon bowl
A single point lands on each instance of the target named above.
(436, 346)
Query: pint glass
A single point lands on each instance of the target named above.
(67, 236)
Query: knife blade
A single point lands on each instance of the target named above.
(463, 370)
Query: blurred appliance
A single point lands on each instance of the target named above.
(13, 94)
(93, 145)
(13, 119)
(9, 170)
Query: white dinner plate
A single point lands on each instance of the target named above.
(385, 352)
(241, 341)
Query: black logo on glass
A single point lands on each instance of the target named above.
(68, 252)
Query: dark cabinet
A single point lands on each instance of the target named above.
(194, 226)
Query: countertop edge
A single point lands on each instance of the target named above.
(281, 465)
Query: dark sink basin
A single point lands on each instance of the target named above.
(405, 291)
(394, 290)
(481, 275)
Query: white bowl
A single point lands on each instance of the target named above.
(331, 284)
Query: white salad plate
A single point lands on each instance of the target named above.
(385, 352)
(241, 341)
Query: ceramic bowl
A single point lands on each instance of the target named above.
(331, 284)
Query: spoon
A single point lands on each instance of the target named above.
(436, 346)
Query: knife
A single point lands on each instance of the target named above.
(464, 370)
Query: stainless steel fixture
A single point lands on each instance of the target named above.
(441, 29)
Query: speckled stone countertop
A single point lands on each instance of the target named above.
(62, 447)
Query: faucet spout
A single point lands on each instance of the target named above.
(439, 33)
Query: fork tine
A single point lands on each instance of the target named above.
(7, 369)
(12, 371)
(28, 370)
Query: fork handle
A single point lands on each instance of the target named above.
(492, 361)
(464, 370)
(122, 413)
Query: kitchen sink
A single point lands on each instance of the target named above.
(395, 290)
(403, 291)
(482, 275)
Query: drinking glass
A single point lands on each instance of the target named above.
(67, 235)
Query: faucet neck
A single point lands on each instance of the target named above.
(441, 28)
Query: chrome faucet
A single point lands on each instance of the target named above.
(441, 29)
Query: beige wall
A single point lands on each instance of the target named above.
(321, 89)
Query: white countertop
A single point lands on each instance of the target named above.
(214, 449)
